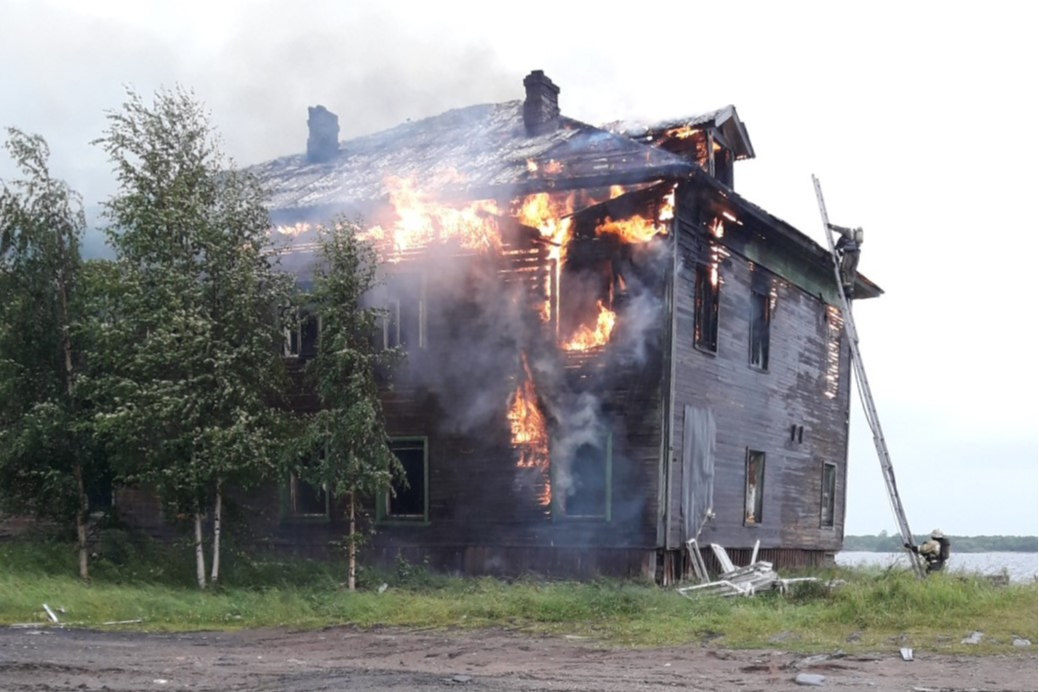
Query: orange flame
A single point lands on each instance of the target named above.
(529, 432)
(421, 222)
(550, 218)
(683, 132)
(717, 227)
(587, 338)
(639, 229)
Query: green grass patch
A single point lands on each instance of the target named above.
(873, 610)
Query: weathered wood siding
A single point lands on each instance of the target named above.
(756, 409)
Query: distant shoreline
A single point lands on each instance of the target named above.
(885, 543)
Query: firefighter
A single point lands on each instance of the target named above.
(935, 552)
(848, 247)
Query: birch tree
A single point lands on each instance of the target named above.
(198, 371)
(345, 441)
(47, 454)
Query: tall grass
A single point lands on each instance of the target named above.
(872, 610)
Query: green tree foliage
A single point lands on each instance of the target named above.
(48, 459)
(196, 371)
(883, 543)
(345, 445)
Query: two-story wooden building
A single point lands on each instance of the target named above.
(609, 350)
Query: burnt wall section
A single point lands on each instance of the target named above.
(785, 412)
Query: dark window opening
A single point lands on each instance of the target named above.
(755, 487)
(829, 494)
(587, 493)
(306, 499)
(705, 326)
(409, 500)
(760, 329)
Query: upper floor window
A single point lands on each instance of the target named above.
(760, 328)
(706, 303)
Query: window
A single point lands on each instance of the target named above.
(705, 325)
(834, 326)
(829, 493)
(306, 499)
(760, 328)
(410, 501)
(586, 493)
(755, 487)
(301, 336)
(404, 323)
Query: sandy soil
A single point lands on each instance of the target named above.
(382, 660)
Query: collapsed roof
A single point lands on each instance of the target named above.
(503, 151)
(475, 152)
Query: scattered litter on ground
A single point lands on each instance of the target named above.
(50, 614)
(907, 653)
(972, 638)
(1021, 642)
(461, 678)
(383, 588)
(810, 679)
(123, 622)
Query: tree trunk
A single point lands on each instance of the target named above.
(70, 389)
(200, 555)
(81, 523)
(351, 580)
(215, 575)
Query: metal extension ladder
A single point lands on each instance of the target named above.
(865, 394)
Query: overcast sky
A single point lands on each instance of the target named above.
(919, 120)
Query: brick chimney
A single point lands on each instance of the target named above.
(323, 142)
(541, 108)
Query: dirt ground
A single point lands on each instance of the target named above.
(384, 660)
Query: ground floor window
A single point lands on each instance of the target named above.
(304, 501)
(755, 486)
(829, 493)
(408, 500)
(583, 481)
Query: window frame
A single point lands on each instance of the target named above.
(763, 299)
(382, 500)
(832, 496)
(754, 519)
(559, 506)
(287, 513)
(295, 329)
(702, 282)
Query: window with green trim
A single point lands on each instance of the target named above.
(408, 501)
(304, 501)
(584, 481)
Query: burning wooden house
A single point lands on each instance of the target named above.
(610, 351)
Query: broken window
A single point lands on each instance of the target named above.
(755, 487)
(705, 325)
(301, 334)
(587, 485)
(829, 494)
(834, 326)
(760, 328)
(409, 500)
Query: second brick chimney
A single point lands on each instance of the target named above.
(541, 107)
(323, 142)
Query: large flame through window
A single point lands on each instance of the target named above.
(529, 432)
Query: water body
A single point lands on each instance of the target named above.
(1020, 566)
